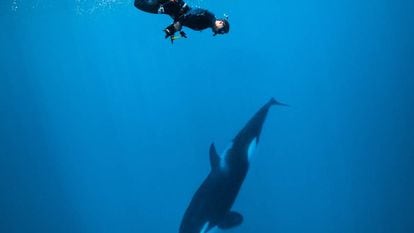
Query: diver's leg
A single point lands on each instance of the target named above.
(150, 6)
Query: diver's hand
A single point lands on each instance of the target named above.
(169, 31)
(172, 29)
(182, 33)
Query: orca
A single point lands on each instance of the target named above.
(211, 204)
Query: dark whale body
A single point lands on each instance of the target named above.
(211, 204)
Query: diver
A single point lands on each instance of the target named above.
(183, 15)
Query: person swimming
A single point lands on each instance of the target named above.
(183, 15)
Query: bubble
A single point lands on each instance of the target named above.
(20, 5)
(91, 6)
(14, 5)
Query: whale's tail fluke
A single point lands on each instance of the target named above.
(254, 126)
(273, 101)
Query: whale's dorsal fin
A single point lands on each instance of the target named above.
(214, 157)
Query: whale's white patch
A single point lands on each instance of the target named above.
(251, 148)
(204, 229)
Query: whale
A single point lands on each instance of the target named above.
(211, 205)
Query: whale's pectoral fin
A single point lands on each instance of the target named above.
(214, 157)
(232, 219)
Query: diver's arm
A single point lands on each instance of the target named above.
(172, 29)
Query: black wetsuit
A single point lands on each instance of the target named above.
(197, 19)
(194, 18)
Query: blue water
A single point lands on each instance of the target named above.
(105, 126)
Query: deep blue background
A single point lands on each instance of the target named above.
(105, 126)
